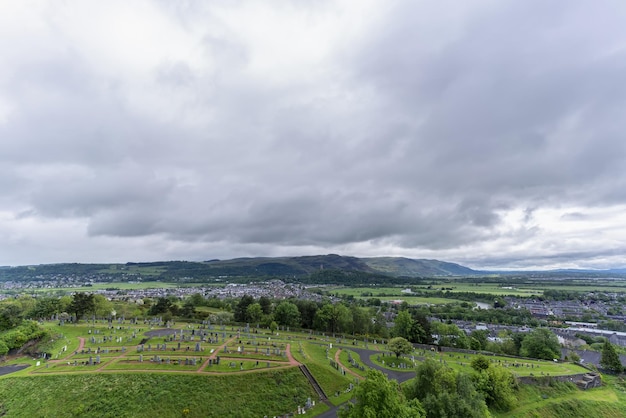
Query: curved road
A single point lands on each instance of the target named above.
(365, 359)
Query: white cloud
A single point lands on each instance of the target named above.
(157, 130)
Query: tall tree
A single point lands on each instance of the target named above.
(541, 343)
(333, 317)
(445, 393)
(287, 314)
(163, 306)
(378, 397)
(610, 359)
(266, 305)
(361, 320)
(254, 312)
(81, 304)
(307, 309)
(399, 346)
(403, 324)
(11, 315)
(241, 307)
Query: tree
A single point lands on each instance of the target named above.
(361, 320)
(11, 316)
(378, 397)
(445, 393)
(478, 339)
(541, 343)
(254, 312)
(163, 306)
(273, 326)
(189, 309)
(45, 308)
(610, 359)
(197, 299)
(241, 307)
(498, 386)
(403, 323)
(266, 305)
(399, 345)
(81, 304)
(287, 314)
(332, 318)
(308, 309)
(480, 363)
(450, 335)
(102, 306)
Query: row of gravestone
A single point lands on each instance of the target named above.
(163, 347)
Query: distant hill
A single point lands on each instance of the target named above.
(400, 266)
(257, 267)
(390, 266)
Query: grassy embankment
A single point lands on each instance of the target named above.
(564, 400)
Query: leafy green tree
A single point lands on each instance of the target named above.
(189, 309)
(240, 310)
(64, 303)
(609, 359)
(45, 307)
(445, 393)
(102, 306)
(4, 349)
(333, 318)
(379, 326)
(308, 309)
(450, 335)
(478, 339)
(197, 299)
(11, 315)
(498, 385)
(254, 312)
(399, 346)
(378, 397)
(361, 320)
(403, 324)
(287, 314)
(266, 305)
(163, 306)
(541, 343)
(480, 363)
(81, 304)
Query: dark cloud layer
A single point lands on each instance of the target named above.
(488, 133)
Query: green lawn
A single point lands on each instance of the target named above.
(151, 394)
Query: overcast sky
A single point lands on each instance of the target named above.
(490, 133)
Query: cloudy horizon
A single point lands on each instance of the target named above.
(486, 133)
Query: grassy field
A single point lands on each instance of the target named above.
(150, 395)
(566, 401)
(532, 288)
(245, 365)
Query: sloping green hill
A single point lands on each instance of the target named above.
(400, 266)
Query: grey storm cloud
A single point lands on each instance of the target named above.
(388, 128)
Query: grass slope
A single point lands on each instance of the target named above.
(150, 395)
(563, 400)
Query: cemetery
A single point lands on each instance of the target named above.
(327, 368)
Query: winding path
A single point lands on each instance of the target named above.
(352, 372)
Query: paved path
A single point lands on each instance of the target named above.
(391, 374)
(365, 359)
